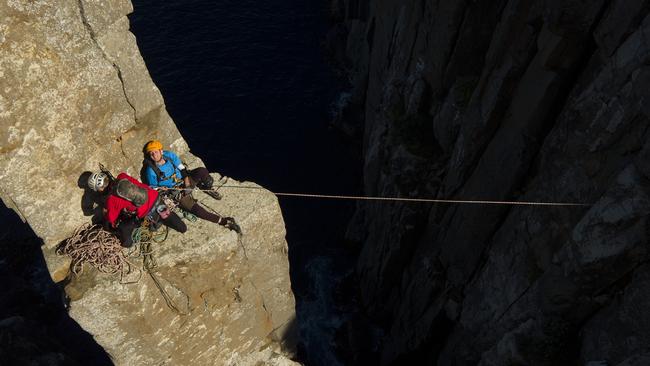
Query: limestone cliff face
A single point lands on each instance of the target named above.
(503, 100)
(75, 92)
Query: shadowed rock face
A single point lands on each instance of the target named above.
(503, 100)
(75, 92)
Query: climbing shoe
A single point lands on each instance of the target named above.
(214, 194)
(230, 224)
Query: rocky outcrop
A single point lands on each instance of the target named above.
(502, 100)
(75, 92)
(233, 298)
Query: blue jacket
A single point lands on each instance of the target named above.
(170, 170)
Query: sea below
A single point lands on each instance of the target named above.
(249, 88)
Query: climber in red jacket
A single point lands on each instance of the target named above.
(128, 202)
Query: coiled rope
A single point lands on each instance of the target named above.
(101, 249)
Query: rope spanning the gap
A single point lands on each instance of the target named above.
(401, 199)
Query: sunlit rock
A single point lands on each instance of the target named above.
(75, 92)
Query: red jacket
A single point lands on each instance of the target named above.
(115, 204)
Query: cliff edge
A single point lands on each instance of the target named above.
(75, 92)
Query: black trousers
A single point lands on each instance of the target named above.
(125, 228)
(199, 177)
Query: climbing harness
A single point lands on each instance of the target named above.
(171, 201)
(159, 173)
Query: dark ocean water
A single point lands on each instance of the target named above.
(248, 86)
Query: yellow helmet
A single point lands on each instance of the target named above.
(153, 145)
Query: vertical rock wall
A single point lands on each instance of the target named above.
(503, 100)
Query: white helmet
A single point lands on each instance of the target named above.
(97, 181)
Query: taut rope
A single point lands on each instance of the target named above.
(401, 199)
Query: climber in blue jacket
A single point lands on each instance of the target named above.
(171, 173)
(164, 169)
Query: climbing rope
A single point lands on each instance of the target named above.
(102, 250)
(99, 248)
(144, 234)
(144, 237)
(400, 199)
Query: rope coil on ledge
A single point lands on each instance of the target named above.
(101, 249)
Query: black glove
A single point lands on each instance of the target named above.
(230, 224)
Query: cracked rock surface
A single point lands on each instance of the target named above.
(75, 92)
